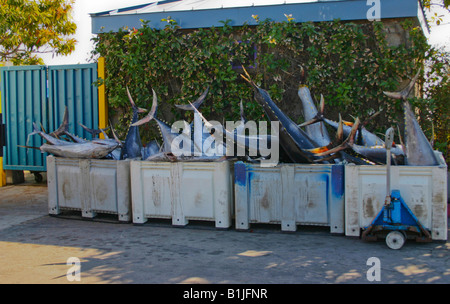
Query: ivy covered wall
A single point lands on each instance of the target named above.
(350, 64)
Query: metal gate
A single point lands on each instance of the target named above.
(39, 94)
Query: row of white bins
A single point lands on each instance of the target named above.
(345, 198)
(137, 190)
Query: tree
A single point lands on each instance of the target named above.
(436, 5)
(30, 27)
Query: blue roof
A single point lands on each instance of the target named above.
(190, 14)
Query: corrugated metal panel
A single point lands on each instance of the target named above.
(192, 5)
(39, 94)
(207, 13)
(23, 92)
(73, 86)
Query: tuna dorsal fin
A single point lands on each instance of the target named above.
(196, 103)
(241, 109)
(319, 116)
(432, 134)
(351, 137)
(371, 117)
(327, 150)
(321, 109)
(340, 131)
(43, 129)
(302, 75)
(322, 104)
(115, 135)
(94, 132)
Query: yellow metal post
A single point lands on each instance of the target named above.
(2, 172)
(102, 106)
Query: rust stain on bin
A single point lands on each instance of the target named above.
(67, 190)
(156, 195)
(100, 193)
(420, 211)
(265, 201)
(198, 198)
(369, 210)
(438, 197)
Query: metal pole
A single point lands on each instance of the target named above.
(102, 104)
(388, 142)
(2, 172)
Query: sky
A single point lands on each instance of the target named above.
(81, 11)
(440, 35)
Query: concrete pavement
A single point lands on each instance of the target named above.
(38, 248)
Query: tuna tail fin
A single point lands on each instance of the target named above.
(403, 94)
(196, 103)
(151, 115)
(64, 127)
(133, 105)
(35, 131)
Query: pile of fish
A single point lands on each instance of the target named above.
(62, 143)
(360, 146)
(305, 143)
(75, 147)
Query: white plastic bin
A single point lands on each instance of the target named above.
(182, 191)
(290, 195)
(89, 185)
(423, 188)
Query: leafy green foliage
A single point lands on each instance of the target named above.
(349, 64)
(30, 27)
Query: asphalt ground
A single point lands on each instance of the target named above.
(36, 248)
